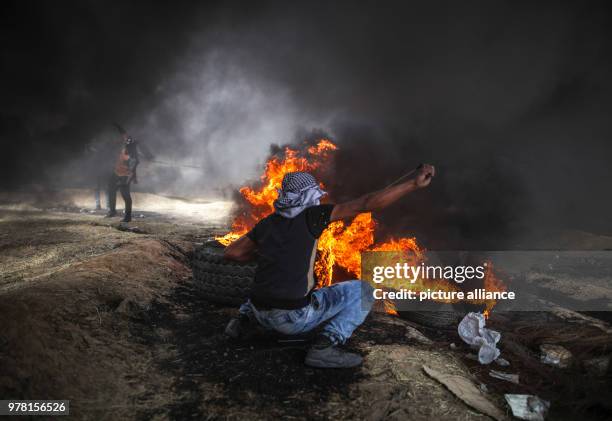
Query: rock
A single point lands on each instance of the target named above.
(125, 307)
(555, 355)
(417, 336)
(130, 308)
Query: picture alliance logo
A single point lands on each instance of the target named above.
(412, 273)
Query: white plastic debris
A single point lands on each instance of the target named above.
(528, 407)
(502, 362)
(473, 332)
(512, 378)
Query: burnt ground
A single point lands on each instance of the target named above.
(111, 320)
(265, 375)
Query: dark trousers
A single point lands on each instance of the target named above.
(119, 183)
(101, 183)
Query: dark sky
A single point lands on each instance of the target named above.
(510, 99)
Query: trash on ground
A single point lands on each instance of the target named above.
(417, 336)
(453, 346)
(502, 362)
(513, 378)
(465, 390)
(555, 355)
(473, 332)
(528, 407)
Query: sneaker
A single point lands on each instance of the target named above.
(126, 219)
(331, 357)
(110, 214)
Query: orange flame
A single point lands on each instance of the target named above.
(493, 284)
(341, 244)
(260, 201)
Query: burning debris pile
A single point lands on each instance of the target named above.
(341, 244)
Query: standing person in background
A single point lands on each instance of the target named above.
(123, 175)
(100, 181)
(102, 153)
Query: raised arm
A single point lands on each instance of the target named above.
(383, 198)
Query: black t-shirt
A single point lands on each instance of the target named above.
(286, 251)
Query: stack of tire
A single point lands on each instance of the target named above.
(219, 280)
(227, 282)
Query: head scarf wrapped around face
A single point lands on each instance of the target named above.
(299, 191)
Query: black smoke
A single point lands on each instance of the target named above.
(509, 99)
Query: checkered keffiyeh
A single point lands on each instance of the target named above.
(299, 191)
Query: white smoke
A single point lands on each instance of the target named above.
(216, 114)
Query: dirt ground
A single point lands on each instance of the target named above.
(110, 320)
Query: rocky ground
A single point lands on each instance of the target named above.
(110, 319)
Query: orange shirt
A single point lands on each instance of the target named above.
(121, 167)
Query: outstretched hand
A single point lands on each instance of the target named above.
(424, 174)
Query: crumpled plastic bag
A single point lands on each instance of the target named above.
(473, 332)
(528, 407)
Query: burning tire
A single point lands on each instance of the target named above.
(436, 319)
(221, 281)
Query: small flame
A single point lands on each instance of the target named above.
(390, 308)
(492, 284)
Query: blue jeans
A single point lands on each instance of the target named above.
(344, 306)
